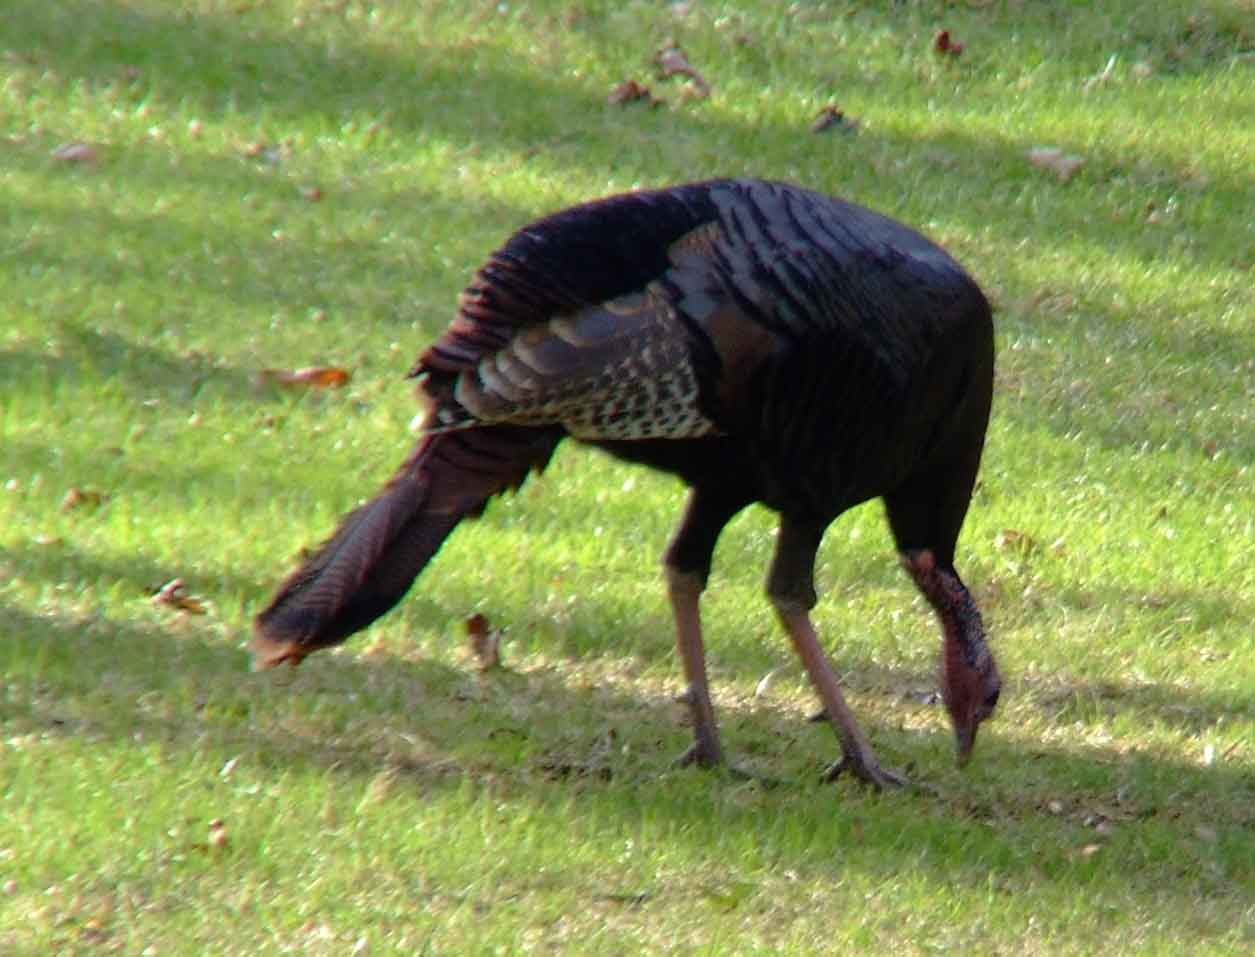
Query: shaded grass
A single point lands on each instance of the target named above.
(384, 793)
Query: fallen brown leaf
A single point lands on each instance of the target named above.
(312, 377)
(263, 152)
(81, 497)
(1063, 165)
(672, 61)
(1010, 538)
(173, 594)
(217, 834)
(765, 683)
(1103, 76)
(831, 116)
(485, 642)
(311, 193)
(629, 91)
(944, 45)
(76, 152)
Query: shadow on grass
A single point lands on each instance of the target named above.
(61, 564)
(214, 64)
(545, 744)
(217, 64)
(354, 714)
(143, 371)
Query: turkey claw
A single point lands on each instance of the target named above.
(700, 756)
(869, 772)
(694, 756)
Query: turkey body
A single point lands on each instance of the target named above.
(762, 342)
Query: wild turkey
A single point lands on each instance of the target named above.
(764, 343)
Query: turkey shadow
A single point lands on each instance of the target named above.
(144, 372)
(540, 739)
(61, 564)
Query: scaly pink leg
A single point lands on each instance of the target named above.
(857, 754)
(685, 591)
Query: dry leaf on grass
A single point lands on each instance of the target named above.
(832, 117)
(311, 377)
(263, 152)
(76, 152)
(485, 642)
(1063, 165)
(1010, 539)
(217, 834)
(1105, 74)
(82, 497)
(173, 594)
(629, 91)
(595, 764)
(767, 680)
(672, 61)
(216, 841)
(945, 45)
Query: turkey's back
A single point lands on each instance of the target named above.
(834, 351)
(883, 365)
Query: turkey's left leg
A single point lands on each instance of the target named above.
(791, 587)
(687, 565)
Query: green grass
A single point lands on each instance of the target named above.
(387, 799)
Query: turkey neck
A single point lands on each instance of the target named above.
(963, 627)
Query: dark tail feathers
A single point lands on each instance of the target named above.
(379, 549)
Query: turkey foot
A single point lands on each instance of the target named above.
(857, 755)
(696, 756)
(705, 751)
(867, 770)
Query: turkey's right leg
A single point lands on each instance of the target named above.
(687, 564)
(791, 588)
(685, 590)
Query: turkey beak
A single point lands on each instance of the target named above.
(964, 741)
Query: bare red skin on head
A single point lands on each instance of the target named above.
(964, 690)
(970, 683)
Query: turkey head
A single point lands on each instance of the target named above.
(970, 683)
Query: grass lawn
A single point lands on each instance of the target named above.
(194, 190)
